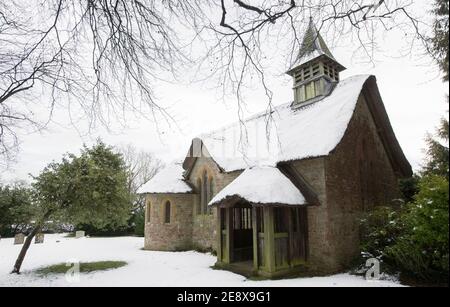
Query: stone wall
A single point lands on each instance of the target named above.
(320, 252)
(359, 175)
(204, 234)
(188, 229)
(173, 236)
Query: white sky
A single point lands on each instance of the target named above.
(410, 86)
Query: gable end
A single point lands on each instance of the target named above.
(384, 128)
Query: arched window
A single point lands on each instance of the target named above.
(210, 192)
(167, 211)
(199, 198)
(204, 192)
(205, 186)
(148, 211)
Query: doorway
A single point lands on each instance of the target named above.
(242, 225)
(236, 233)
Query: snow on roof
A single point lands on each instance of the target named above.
(293, 134)
(262, 185)
(168, 180)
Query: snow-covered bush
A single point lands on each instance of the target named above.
(412, 240)
(422, 250)
(379, 229)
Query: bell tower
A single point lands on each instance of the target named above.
(315, 71)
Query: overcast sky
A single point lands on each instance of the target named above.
(410, 86)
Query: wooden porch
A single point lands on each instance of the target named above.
(261, 240)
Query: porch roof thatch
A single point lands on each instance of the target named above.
(262, 185)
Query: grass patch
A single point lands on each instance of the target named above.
(85, 267)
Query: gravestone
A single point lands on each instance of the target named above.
(79, 234)
(39, 238)
(19, 238)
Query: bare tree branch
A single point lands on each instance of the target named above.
(101, 59)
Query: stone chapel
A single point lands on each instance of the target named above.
(290, 200)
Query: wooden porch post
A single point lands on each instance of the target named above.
(255, 239)
(291, 235)
(228, 235)
(219, 234)
(269, 239)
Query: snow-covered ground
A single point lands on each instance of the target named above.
(145, 268)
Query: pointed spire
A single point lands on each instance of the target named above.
(313, 43)
(312, 47)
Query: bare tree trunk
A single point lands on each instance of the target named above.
(26, 245)
(24, 249)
